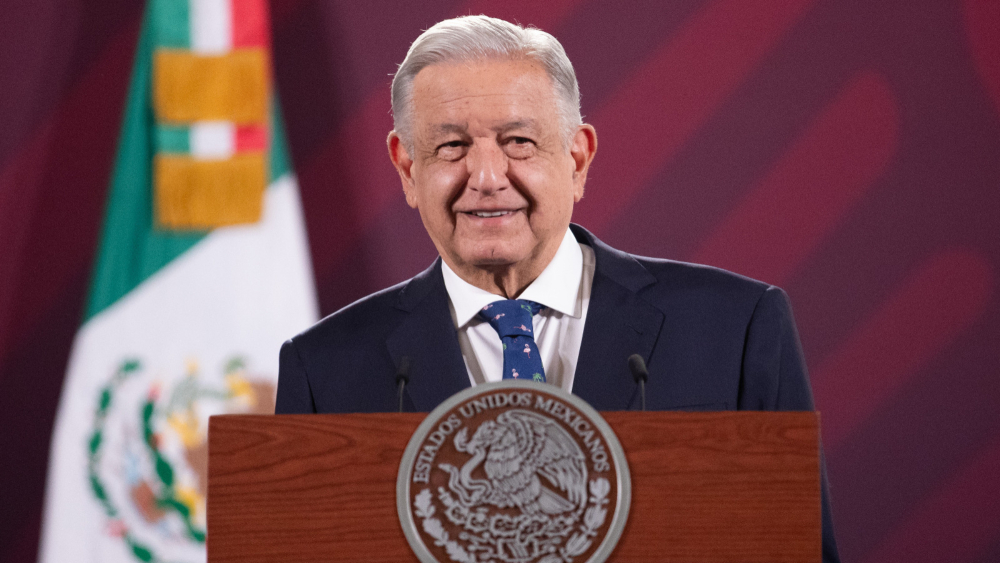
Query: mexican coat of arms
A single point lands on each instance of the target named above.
(513, 472)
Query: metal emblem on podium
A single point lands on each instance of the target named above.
(513, 472)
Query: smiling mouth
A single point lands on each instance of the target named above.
(488, 214)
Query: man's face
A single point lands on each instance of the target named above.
(493, 174)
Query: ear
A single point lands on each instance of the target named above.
(403, 162)
(582, 148)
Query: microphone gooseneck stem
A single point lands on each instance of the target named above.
(402, 384)
(642, 394)
(402, 378)
(640, 374)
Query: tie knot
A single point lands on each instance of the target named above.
(511, 317)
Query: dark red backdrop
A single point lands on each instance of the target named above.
(848, 151)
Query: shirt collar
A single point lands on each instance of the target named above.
(557, 287)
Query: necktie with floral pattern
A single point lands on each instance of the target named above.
(511, 318)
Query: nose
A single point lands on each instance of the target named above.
(487, 166)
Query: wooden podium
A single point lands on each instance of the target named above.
(719, 487)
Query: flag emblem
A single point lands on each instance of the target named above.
(156, 438)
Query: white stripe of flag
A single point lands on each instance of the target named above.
(211, 27)
(212, 139)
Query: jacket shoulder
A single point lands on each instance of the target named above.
(685, 276)
(706, 294)
(654, 278)
(366, 320)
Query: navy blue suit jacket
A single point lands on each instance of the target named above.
(712, 340)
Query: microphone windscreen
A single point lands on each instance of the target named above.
(404, 369)
(638, 367)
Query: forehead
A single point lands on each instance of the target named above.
(483, 94)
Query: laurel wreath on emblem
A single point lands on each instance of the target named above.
(167, 500)
(482, 529)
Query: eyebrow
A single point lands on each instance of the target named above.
(519, 124)
(445, 128)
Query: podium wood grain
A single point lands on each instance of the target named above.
(706, 487)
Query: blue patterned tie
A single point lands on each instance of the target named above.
(511, 318)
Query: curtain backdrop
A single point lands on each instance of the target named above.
(846, 150)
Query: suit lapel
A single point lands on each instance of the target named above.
(619, 324)
(427, 336)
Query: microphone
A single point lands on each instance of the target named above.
(403, 377)
(637, 366)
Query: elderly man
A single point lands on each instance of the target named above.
(492, 153)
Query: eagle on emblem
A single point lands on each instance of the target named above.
(514, 451)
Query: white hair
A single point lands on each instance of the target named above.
(475, 38)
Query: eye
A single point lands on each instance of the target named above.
(520, 147)
(452, 150)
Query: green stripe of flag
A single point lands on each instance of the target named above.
(131, 249)
(279, 160)
(173, 139)
(172, 23)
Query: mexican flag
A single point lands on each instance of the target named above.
(202, 271)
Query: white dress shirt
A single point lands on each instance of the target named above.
(563, 287)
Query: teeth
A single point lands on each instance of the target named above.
(489, 214)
